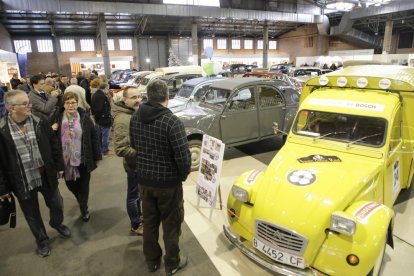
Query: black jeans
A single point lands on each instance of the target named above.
(80, 188)
(31, 211)
(164, 206)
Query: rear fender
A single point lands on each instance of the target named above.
(373, 222)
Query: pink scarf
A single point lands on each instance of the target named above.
(71, 137)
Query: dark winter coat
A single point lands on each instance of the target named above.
(101, 109)
(12, 166)
(163, 155)
(91, 150)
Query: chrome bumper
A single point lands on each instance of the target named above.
(275, 267)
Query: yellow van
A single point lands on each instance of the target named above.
(324, 204)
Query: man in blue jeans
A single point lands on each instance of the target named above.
(123, 112)
(101, 110)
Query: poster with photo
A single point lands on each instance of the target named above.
(211, 160)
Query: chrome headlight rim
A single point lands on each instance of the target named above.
(347, 220)
(240, 193)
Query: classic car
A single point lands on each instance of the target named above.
(191, 93)
(280, 68)
(176, 81)
(239, 111)
(324, 204)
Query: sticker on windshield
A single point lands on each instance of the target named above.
(348, 104)
(301, 177)
(319, 158)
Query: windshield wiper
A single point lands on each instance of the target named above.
(328, 134)
(363, 138)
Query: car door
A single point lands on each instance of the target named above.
(271, 109)
(394, 179)
(239, 121)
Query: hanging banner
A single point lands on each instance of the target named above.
(211, 161)
(22, 60)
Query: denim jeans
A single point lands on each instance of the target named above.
(31, 211)
(164, 206)
(133, 201)
(103, 133)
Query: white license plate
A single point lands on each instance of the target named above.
(279, 256)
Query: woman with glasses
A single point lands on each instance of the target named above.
(80, 148)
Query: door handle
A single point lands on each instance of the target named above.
(223, 116)
(284, 108)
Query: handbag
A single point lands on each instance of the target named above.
(8, 211)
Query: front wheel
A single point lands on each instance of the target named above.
(195, 150)
(378, 263)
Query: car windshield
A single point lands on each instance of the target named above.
(216, 97)
(351, 129)
(306, 72)
(145, 81)
(185, 91)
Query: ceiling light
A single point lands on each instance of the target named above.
(341, 5)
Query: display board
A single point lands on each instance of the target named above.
(211, 161)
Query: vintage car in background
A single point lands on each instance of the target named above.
(191, 93)
(176, 81)
(122, 77)
(324, 204)
(136, 78)
(280, 68)
(239, 111)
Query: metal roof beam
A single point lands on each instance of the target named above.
(158, 9)
(393, 7)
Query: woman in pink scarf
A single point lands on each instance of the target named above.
(80, 149)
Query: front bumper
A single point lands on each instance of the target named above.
(273, 266)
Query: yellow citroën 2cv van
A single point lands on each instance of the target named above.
(324, 204)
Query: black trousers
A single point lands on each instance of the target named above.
(164, 206)
(80, 188)
(31, 211)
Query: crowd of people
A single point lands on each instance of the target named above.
(61, 128)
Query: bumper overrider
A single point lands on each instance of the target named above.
(273, 266)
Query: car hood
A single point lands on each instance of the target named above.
(176, 102)
(302, 196)
(197, 117)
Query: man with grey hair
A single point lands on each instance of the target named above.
(123, 111)
(32, 161)
(163, 163)
(101, 110)
(80, 92)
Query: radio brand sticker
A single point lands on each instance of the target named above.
(366, 211)
(301, 177)
(319, 158)
(348, 104)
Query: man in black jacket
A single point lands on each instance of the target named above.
(101, 110)
(163, 163)
(32, 162)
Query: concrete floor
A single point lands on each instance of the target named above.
(104, 246)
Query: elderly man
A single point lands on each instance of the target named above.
(80, 92)
(163, 163)
(123, 111)
(32, 161)
(42, 103)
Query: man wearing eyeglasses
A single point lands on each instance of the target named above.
(42, 103)
(123, 111)
(32, 161)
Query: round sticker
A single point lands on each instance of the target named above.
(301, 177)
(362, 82)
(384, 83)
(323, 80)
(342, 81)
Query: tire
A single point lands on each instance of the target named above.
(378, 263)
(195, 150)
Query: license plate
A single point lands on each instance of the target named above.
(279, 256)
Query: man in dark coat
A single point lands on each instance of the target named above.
(163, 163)
(101, 110)
(32, 162)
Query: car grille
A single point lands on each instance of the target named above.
(284, 239)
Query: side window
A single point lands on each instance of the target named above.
(244, 99)
(269, 97)
(395, 137)
(178, 83)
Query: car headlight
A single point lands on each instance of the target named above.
(343, 225)
(240, 193)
